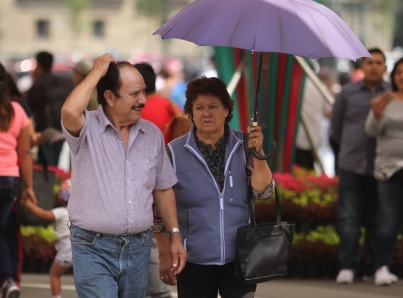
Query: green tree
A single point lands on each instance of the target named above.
(76, 9)
(151, 8)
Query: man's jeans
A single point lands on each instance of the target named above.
(357, 204)
(110, 265)
(390, 218)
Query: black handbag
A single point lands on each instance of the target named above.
(43, 182)
(263, 250)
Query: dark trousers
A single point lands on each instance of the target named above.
(205, 281)
(305, 159)
(336, 150)
(390, 219)
(8, 243)
(357, 205)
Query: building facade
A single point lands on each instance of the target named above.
(83, 29)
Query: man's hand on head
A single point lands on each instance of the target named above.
(101, 64)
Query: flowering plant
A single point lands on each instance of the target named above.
(305, 197)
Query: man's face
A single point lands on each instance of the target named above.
(127, 108)
(374, 69)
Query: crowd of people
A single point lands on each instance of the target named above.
(144, 211)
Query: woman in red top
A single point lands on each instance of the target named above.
(14, 145)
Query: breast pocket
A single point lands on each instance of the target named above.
(147, 172)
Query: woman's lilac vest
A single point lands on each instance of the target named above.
(209, 219)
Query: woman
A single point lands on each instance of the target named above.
(214, 167)
(385, 122)
(14, 145)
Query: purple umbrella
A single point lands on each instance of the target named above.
(299, 27)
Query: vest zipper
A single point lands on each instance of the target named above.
(187, 232)
(221, 194)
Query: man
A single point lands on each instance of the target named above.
(158, 109)
(119, 166)
(159, 112)
(357, 201)
(80, 70)
(45, 98)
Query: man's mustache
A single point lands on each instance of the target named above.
(140, 106)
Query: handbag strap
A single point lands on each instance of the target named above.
(252, 207)
(42, 155)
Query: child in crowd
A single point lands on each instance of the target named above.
(63, 259)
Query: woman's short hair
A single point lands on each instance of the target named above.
(208, 86)
(392, 74)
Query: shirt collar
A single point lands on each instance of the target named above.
(104, 121)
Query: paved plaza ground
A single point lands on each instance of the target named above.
(37, 286)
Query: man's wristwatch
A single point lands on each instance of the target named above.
(174, 230)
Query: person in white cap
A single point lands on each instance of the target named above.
(80, 70)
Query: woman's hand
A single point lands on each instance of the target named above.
(378, 104)
(256, 139)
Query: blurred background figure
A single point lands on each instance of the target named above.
(356, 73)
(46, 98)
(385, 122)
(357, 189)
(80, 70)
(15, 157)
(210, 70)
(157, 109)
(175, 84)
(314, 109)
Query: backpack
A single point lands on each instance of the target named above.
(180, 122)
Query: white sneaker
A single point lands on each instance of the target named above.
(383, 277)
(10, 289)
(345, 276)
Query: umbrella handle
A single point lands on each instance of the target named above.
(269, 155)
(255, 116)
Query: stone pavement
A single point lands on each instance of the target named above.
(37, 286)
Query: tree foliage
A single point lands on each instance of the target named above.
(151, 8)
(76, 9)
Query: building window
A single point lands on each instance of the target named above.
(98, 29)
(42, 28)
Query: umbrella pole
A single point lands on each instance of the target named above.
(256, 112)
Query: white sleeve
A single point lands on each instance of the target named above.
(60, 213)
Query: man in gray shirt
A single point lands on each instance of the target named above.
(119, 166)
(358, 196)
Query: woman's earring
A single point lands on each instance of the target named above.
(225, 115)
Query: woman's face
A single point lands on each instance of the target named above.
(398, 78)
(209, 113)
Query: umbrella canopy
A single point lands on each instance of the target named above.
(299, 27)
